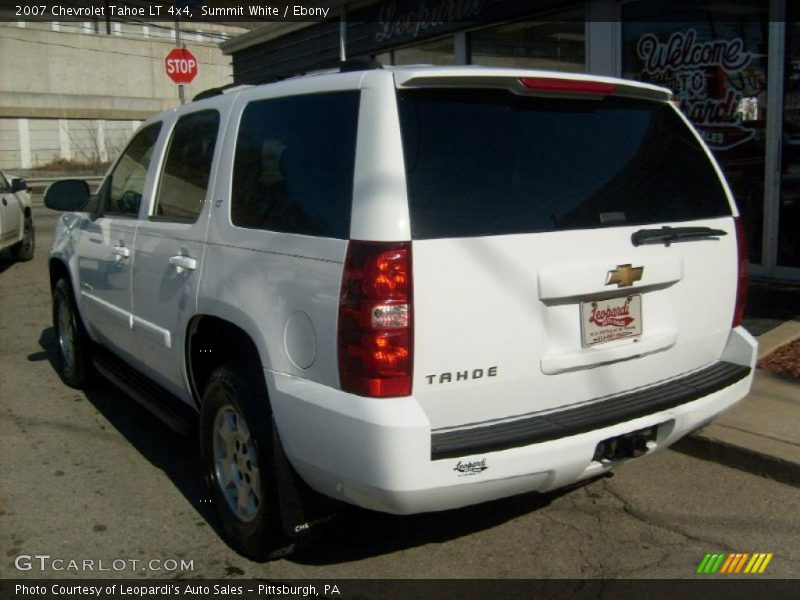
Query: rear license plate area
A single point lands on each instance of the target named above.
(612, 319)
(630, 445)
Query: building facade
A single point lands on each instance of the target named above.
(734, 67)
(73, 92)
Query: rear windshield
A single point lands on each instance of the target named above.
(489, 162)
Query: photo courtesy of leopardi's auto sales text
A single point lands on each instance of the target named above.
(399, 299)
(161, 590)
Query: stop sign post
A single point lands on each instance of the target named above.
(181, 66)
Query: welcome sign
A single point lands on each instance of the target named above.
(711, 79)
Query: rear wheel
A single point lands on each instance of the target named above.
(24, 249)
(72, 343)
(236, 437)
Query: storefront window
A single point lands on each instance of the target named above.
(437, 52)
(556, 44)
(714, 57)
(789, 211)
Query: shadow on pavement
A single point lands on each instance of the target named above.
(358, 534)
(354, 535)
(6, 262)
(769, 304)
(177, 456)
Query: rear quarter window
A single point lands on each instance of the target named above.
(293, 168)
(489, 162)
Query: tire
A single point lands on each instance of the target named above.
(236, 442)
(72, 342)
(23, 251)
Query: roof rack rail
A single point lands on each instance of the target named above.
(359, 64)
(217, 91)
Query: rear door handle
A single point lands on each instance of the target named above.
(183, 262)
(120, 252)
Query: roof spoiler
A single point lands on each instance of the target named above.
(539, 84)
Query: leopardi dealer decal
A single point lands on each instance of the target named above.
(470, 468)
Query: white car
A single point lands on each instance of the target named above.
(408, 289)
(16, 218)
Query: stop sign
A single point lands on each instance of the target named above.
(181, 65)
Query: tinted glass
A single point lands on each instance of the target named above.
(684, 48)
(557, 42)
(436, 52)
(184, 182)
(293, 170)
(488, 162)
(126, 184)
(4, 185)
(789, 212)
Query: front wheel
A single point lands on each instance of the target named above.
(238, 461)
(24, 249)
(72, 343)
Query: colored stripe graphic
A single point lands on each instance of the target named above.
(730, 563)
(720, 560)
(741, 563)
(754, 562)
(733, 563)
(759, 563)
(703, 563)
(714, 565)
(712, 560)
(765, 563)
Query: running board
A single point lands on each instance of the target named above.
(173, 412)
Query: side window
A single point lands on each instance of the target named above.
(126, 184)
(184, 181)
(293, 169)
(5, 187)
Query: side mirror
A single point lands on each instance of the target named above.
(18, 185)
(70, 195)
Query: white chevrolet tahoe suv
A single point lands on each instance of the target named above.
(408, 289)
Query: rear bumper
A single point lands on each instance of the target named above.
(382, 454)
(586, 417)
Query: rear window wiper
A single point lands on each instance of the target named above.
(667, 235)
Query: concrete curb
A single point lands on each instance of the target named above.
(712, 449)
(779, 336)
(761, 446)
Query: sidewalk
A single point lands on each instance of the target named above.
(762, 433)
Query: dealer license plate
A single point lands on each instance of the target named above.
(607, 320)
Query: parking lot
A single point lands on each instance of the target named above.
(93, 477)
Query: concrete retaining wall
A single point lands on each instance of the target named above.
(69, 90)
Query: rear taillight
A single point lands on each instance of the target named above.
(553, 84)
(741, 284)
(375, 317)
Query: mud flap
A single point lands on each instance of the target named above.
(303, 510)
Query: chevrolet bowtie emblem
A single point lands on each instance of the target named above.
(624, 275)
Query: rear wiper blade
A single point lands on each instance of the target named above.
(667, 235)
